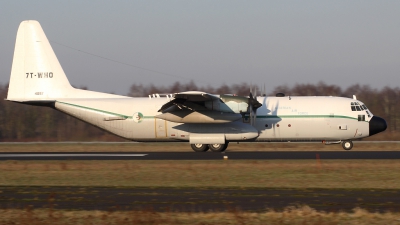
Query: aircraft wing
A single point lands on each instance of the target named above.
(190, 107)
(201, 107)
(188, 100)
(195, 96)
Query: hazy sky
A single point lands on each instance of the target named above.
(214, 42)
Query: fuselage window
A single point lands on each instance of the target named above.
(364, 107)
(358, 108)
(353, 108)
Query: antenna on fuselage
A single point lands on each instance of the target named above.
(354, 97)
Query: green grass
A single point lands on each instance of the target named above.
(290, 216)
(372, 174)
(218, 173)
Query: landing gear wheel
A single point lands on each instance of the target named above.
(199, 147)
(218, 147)
(347, 145)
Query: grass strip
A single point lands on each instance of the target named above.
(382, 174)
(292, 216)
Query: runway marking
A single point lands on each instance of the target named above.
(70, 155)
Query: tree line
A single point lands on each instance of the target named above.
(20, 122)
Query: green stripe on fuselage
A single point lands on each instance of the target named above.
(306, 116)
(97, 110)
(259, 116)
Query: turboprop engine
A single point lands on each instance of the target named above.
(229, 103)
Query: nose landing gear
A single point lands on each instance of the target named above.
(347, 145)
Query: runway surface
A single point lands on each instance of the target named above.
(186, 199)
(201, 156)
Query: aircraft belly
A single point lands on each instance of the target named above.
(118, 126)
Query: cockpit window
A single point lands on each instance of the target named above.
(369, 115)
(355, 106)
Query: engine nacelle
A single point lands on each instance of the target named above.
(229, 103)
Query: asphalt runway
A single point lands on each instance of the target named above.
(201, 155)
(185, 199)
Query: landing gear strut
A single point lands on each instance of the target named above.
(200, 147)
(347, 145)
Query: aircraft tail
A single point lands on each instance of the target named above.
(36, 74)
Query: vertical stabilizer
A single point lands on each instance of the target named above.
(36, 73)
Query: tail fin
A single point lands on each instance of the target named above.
(36, 74)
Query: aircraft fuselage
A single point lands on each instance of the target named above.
(288, 118)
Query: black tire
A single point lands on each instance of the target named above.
(347, 145)
(218, 147)
(199, 147)
(226, 146)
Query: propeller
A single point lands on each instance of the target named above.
(253, 105)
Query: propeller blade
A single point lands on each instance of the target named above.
(253, 105)
(253, 120)
(251, 115)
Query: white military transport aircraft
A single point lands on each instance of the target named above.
(204, 120)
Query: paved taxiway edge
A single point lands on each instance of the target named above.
(292, 155)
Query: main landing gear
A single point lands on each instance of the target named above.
(206, 147)
(200, 147)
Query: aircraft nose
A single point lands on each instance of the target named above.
(376, 125)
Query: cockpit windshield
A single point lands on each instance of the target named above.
(356, 106)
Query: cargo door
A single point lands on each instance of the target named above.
(160, 129)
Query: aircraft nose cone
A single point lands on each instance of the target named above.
(376, 125)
